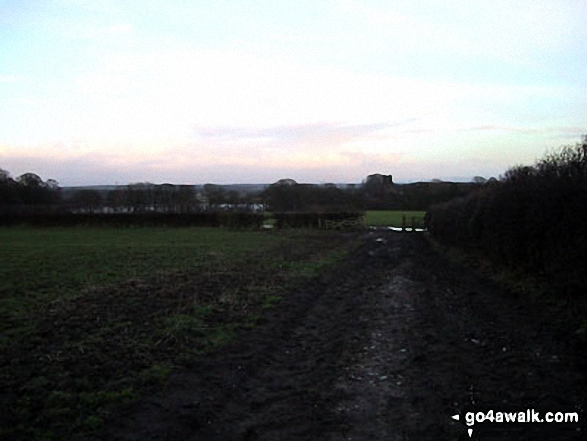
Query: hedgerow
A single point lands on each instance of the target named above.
(533, 219)
(154, 219)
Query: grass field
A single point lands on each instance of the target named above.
(90, 316)
(42, 265)
(393, 218)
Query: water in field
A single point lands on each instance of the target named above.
(406, 229)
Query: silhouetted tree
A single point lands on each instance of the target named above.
(116, 200)
(215, 195)
(27, 192)
(4, 175)
(140, 197)
(286, 195)
(87, 200)
(184, 198)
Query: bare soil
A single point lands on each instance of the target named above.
(388, 346)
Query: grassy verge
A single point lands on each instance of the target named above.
(92, 316)
(393, 218)
(560, 312)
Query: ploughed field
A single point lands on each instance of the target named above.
(211, 334)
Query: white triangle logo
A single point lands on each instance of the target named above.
(470, 432)
(455, 417)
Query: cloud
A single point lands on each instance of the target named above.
(324, 152)
(518, 34)
(563, 130)
(98, 33)
(198, 168)
(144, 113)
(210, 160)
(401, 24)
(11, 78)
(163, 94)
(213, 88)
(320, 132)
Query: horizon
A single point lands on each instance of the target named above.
(236, 184)
(330, 91)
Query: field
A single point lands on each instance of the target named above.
(393, 218)
(196, 333)
(393, 330)
(90, 317)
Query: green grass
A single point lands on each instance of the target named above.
(91, 316)
(393, 218)
(42, 265)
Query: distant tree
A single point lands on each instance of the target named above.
(140, 197)
(254, 201)
(87, 200)
(233, 199)
(30, 180)
(34, 192)
(9, 191)
(185, 198)
(115, 200)
(215, 195)
(164, 197)
(286, 195)
(52, 184)
(4, 175)
(53, 191)
(286, 182)
(27, 192)
(283, 195)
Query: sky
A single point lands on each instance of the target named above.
(234, 91)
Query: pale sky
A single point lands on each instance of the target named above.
(247, 91)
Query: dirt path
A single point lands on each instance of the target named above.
(387, 348)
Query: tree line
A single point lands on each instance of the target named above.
(533, 219)
(377, 192)
(29, 193)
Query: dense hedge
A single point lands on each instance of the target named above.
(207, 219)
(236, 219)
(535, 219)
(313, 220)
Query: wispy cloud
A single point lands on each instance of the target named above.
(200, 165)
(296, 133)
(563, 130)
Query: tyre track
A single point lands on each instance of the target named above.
(274, 382)
(387, 347)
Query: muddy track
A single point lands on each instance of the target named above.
(387, 347)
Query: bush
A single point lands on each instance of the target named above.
(533, 219)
